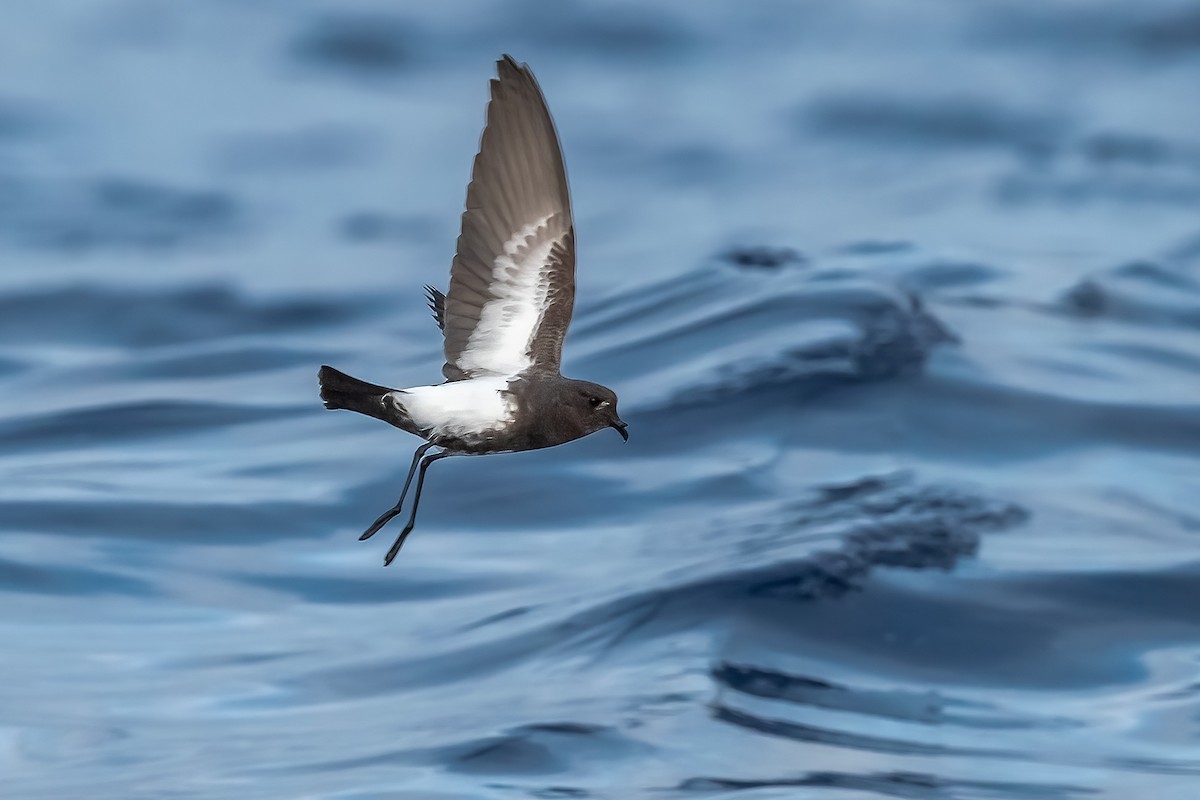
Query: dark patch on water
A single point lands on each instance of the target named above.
(893, 337)
(10, 366)
(905, 785)
(370, 227)
(358, 45)
(892, 524)
(1151, 31)
(1170, 34)
(236, 359)
(114, 213)
(811, 734)
(762, 257)
(1131, 168)
(1138, 293)
(939, 275)
(616, 32)
(874, 247)
(899, 343)
(1116, 149)
(1163, 597)
(113, 424)
(540, 749)
(924, 708)
(331, 590)
(931, 123)
(554, 792)
(65, 580)
(200, 520)
(1080, 190)
(152, 318)
(21, 120)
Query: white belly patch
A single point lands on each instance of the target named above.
(460, 409)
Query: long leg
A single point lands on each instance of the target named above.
(412, 518)
(386, 516)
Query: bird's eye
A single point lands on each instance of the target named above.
(595, 401)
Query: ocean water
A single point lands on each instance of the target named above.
(903, 305)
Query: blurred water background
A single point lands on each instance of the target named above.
(902, 301)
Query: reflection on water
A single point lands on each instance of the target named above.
(903, 306)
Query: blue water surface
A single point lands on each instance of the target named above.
(902, 301)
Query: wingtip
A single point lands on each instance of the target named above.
(508, 66)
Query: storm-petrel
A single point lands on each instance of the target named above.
(512, 287)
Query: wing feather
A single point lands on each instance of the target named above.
(512, 282)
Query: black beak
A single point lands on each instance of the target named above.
(621, 428)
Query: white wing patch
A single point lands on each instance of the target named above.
(460, 409)
(499, 344)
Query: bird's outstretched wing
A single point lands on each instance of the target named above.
(512, 283)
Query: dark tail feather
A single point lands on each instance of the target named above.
(339, 390)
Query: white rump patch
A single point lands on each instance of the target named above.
(499, 344)
(462, 409)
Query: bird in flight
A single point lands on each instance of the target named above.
(512, 288)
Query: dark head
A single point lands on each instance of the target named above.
(596, 405)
